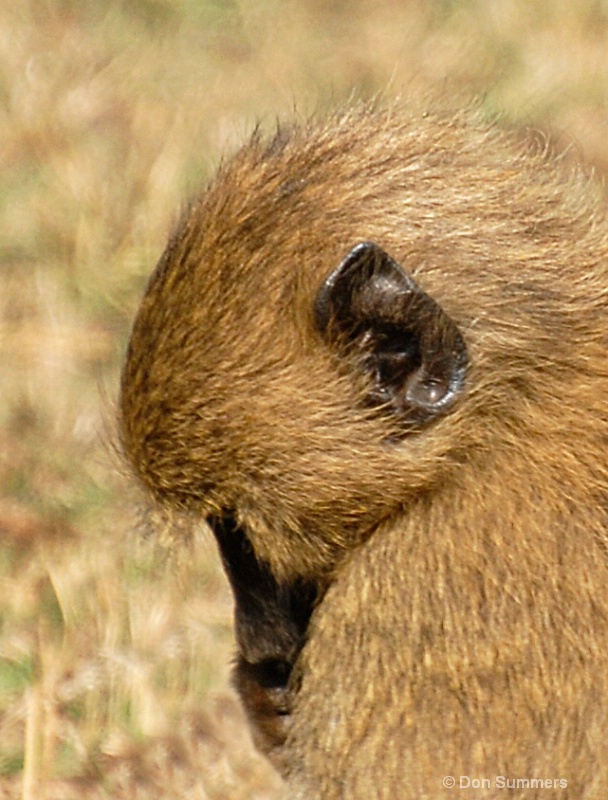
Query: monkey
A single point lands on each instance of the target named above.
(374, 359)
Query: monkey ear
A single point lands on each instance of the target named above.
(412, 351)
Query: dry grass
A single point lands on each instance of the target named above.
(113, 658)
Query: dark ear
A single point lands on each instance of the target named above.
(412, 351)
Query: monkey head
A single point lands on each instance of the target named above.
(331, 313)
(297, 353)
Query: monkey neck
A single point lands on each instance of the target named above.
(472, 612)
(469, 567)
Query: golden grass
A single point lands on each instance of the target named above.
(113, 659)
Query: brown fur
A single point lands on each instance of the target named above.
(413, 599)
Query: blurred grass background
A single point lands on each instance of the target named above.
(114, 646)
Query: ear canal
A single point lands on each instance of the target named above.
(410, 348)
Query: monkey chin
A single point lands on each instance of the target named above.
(267, 697)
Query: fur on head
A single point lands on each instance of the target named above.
(339, 304)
